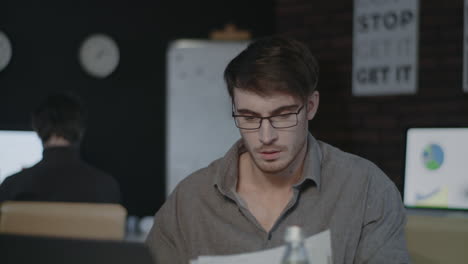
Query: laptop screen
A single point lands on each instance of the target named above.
(18, 150)
(436, 168)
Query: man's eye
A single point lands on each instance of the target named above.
(250, 118)
(284, 116)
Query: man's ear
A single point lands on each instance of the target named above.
(312, 105)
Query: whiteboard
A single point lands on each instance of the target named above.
(199, 126)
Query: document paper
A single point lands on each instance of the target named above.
(318, 248)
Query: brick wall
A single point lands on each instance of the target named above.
(374, 127)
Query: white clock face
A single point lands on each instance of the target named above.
(99, 55)
(5, 51)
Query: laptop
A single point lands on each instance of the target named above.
(20, 249)
(436, 169)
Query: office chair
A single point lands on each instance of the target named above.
(63, 219)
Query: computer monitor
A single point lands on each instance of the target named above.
(18, 150)
(22, 249)
(436, 168)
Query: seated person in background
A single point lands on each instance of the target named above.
(279, 175)
(61, 175)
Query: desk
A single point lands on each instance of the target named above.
(437, 239)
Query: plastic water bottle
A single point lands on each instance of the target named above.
(295, 251)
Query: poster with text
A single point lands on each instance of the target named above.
(385, 47)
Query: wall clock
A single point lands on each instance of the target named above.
(5, 51)
(99, 55)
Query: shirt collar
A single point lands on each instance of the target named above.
(60, 152)
(312, 162)
(226, 178)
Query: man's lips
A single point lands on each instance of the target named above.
(269, 154)
(269, 151)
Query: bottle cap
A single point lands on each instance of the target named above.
(293, 233)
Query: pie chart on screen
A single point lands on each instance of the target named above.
(433, 156)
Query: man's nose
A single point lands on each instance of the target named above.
(267, 133)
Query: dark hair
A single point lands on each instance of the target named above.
(60, 114)
(274, 64)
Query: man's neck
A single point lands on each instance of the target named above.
(56, 141)
(267, 194)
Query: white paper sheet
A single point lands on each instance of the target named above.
(318, 248)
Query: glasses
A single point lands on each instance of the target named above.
(276, 121)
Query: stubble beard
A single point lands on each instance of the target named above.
(280, 165)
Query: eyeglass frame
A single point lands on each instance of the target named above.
(261, 118)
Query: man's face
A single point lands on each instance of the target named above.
(274, 150)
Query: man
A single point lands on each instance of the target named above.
(61, 175)
(279, 175)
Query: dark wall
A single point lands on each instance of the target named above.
(126, 124)
(126, 131)
(374, 127)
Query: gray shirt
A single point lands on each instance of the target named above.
(339, 191)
